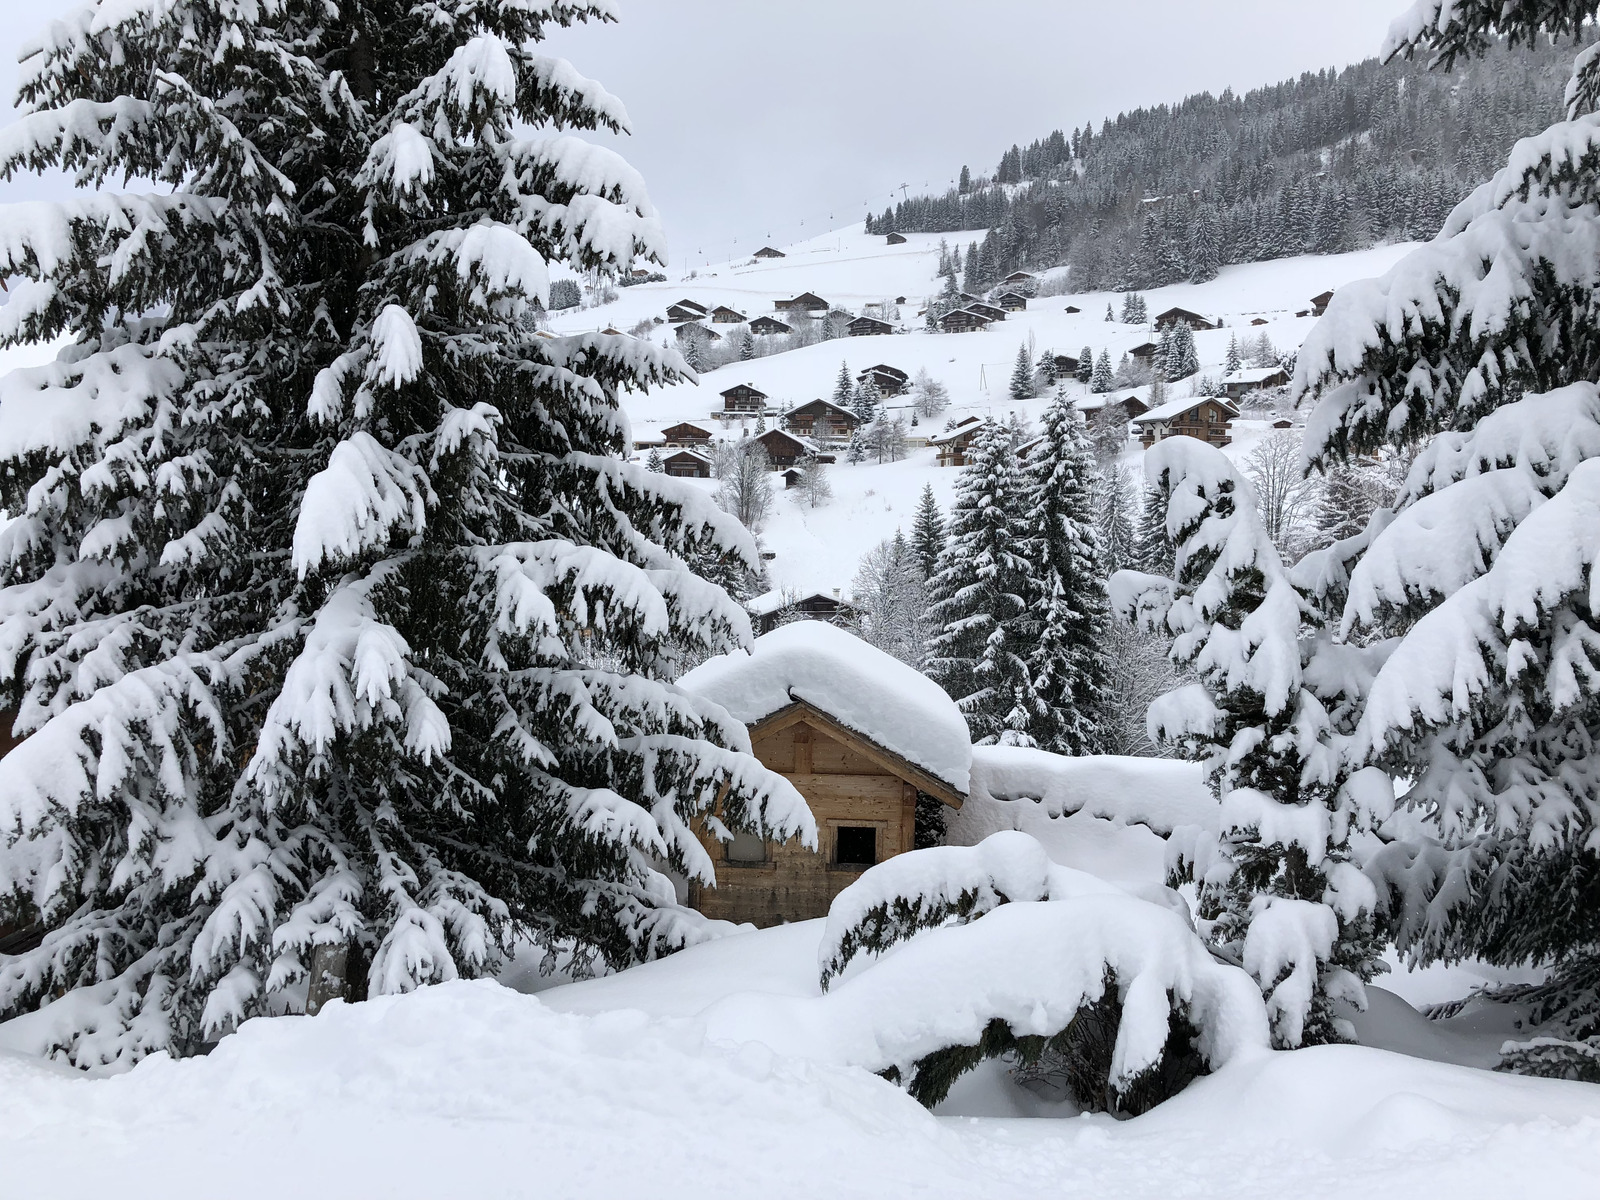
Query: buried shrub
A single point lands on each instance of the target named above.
(1097, 994)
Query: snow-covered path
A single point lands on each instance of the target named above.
(473, 1090)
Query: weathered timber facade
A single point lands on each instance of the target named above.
(864, 799)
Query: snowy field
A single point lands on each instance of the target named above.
(818, 549)
(723, 1071)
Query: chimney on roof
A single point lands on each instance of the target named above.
(835, 593)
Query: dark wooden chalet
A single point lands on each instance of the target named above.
(805, 301)
(1182, 316)
(1012, 301)
(867, 327)
(899, 299)
(783, 449)
(821, 421)
(1207, 418)
(723, 315)
(681, 312)
(954, 442)
(890, 381)
(1144, 350)
(769, 252)
(895, 239)
(769, 611)
(1260, 321)
(744, 398)
(685, 434)
(1072, 308)
(769, 325)
(692, 329)
(984, 309)
(1251, 379)
(1020, 277)
(962, 320)
(1065, 364)
(969, 298)
(687, 464)
(1319, 303)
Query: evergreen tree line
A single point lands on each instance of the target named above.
(1332, 161)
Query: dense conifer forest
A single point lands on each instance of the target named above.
(1332, 161)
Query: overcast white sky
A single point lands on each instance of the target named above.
(772, 120)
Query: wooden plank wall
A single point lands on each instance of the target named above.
(843, 788)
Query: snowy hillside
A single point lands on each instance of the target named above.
(818, 549)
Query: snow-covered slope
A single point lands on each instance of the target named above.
(818, 549)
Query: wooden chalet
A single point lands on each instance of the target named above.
(1251, 379)
(693, 329)
(1072, 308)
(1012, 301)
(859, 779)
(954, 442)
(1320, 302)
(1020, 277)
(963, 320)
(685, 434)
(723, 315)
(686, 464)
(821, 421)
(895, 239)
(783, 449)
(969, 298)
(769, 252)
(1130, 405)
(805, 302)
(899, 299)
(1182, 316)
(772, 609)
(744, 398)
(769, 325)
(681, 312)
(792, 477)
(1205, 418)
(984, 309)
(1065, 364)
(867, 327)
(1260, 321)
(890, 381)
(1145, 351)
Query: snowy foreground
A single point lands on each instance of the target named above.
(721, 1072)
(470, 1089)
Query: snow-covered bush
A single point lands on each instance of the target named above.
(1113, 997)
(339, 628)
(927, 889)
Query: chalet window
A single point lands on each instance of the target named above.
(857, 846)
(747, 848)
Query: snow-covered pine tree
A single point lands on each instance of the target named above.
(1492, 372)
(1110, 316)
(844, 388)
(338, 626)
(1102, 379)
(927, 533)
(1278, 891)
(1114, 500)
(1128, 309)
(1085, 371)
(889, 589)
(1067, 603)
(1205, 249)
(1182, 360)
(1164, 353)
(1232, 363)
(978, 600)
(1022, 375)
(747, 345)
(654, 463)
(864, 401)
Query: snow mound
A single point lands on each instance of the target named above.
(857, 685)
(1162, 793)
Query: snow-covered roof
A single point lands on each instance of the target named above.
(770, 602)
(858, 685)
(1252, 374)
(838, 408)
(1174, 408)
(970, 425)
